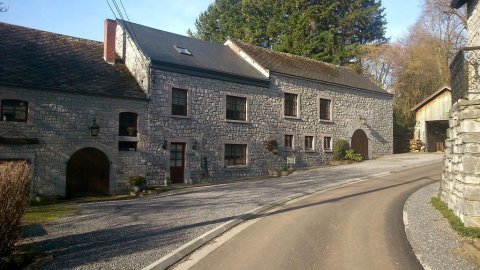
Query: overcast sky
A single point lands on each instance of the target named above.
(84, 18)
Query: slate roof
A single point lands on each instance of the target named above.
(422, 103)
(44, 60)
(294, 65)
(206, 56)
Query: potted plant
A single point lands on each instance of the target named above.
(137, 183)
(274, 172)
(285, 170)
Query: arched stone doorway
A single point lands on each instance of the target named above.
(360, 143)
(88, 173)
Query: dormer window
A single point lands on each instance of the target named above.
(182, 50)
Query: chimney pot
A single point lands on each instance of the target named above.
(109, 53)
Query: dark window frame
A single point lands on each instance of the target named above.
(17, 107)
(325, 109)
(236, 108)
(235, 155)
(291, 105)
(179, 103)
(127, 120)
(127, 146)
(309, 141)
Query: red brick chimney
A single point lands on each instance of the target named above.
(109, 41)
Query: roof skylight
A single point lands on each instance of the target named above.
(182, 50)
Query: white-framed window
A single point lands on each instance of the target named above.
(14, 110)
(288, 141)
(235, 155)
(291, 106)
(325, 109)
(179, 102)
(236, 108)
(309, 143)
(327, 143)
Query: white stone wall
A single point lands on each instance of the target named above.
(60, 121)
(206, 123)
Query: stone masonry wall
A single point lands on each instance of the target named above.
(60, 121)
(460, 187)
(461, 175)
(206, 124)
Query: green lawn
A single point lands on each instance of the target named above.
(48, 213)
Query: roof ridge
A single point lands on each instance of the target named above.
(50, 33)
(290, 54)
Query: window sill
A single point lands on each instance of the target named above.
(309, 151)
(128, 139)
(292, 117)
(326, 121)
(328, 150)
(180, 116)
(237, 168)
(237, 121)
(288, 149)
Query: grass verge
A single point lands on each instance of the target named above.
(455, 221)
(47, 213)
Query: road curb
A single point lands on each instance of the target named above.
(178, 254)
(408, 232)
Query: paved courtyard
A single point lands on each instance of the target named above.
(132, 234)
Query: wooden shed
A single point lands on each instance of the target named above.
(431, 117)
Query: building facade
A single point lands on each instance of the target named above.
(460, 186)
(196, 111)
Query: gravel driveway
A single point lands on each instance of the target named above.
(132, 234)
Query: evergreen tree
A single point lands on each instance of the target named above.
(331, 31)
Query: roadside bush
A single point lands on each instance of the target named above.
(137, 181)
(352, 155)
(14, 200)
(340, 149)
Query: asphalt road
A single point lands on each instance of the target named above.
(358, 226)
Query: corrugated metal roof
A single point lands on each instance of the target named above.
(431, 97)
(39, 59)
(295, 65)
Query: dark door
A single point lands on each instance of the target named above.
(177, 162)
(360, 143)
(88, 173)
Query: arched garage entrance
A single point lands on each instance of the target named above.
(360, 143)
(88, 173)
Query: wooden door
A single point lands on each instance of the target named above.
(360, 143)
(88, 173)
(177, 162)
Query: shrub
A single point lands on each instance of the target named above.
(14, 199)
(137, 181)
(340, 149)
(352, 155)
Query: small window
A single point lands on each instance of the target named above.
(289, 141)
(327, 143)
(127, 125)
(14, 110)
(179, 102)
(236, 108)
(182, 50)
(325, 109)
(235, 155)
(291, 104)
(127, 146)
(308, 142)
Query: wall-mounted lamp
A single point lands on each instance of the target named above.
(164, 144)
(94, 128)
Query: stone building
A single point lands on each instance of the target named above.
(174, 109)
(431, 117)
(460, 186)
